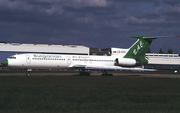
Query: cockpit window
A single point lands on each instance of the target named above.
(12, 57)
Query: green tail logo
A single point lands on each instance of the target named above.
(138, 50)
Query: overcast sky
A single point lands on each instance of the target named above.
(92, 23)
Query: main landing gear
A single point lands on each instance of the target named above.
(105, 73)
(83, 73)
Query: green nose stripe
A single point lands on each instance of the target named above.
(4, 63)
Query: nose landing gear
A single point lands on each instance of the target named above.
(27, 73)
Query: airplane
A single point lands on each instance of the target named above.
(121, 59)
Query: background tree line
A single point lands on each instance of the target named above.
(170, 51)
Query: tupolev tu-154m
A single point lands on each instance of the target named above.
(124, 59)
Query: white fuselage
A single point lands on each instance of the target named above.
(57, 61)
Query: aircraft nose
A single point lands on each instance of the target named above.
(5, 62)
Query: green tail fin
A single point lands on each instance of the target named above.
(138, 49)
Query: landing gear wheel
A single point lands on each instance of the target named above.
(84, 74)
(107, 74)
(27, 74)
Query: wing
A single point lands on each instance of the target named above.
(109, 68)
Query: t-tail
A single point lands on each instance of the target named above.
(138, 50)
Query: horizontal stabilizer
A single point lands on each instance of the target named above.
(154, 37)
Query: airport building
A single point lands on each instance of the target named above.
(44, 48)
(163, 61)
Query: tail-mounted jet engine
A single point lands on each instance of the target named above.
(125, 62)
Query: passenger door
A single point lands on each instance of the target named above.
(28, 59)
(68, 59)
